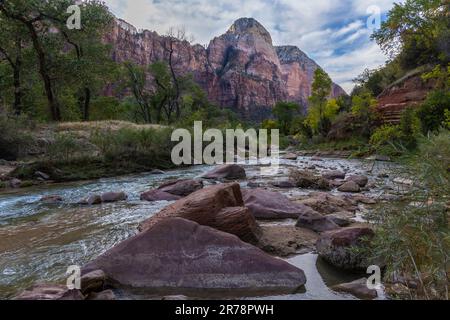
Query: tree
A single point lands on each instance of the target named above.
(137, 82)
(414, 30)
(364, 107)
(321, 90)
(285, 112)
(320, 120)
(12, 41)
(31, 15)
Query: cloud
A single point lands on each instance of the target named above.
(334, 33)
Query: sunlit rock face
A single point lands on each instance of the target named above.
(240, 69)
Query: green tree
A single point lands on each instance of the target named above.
(321, 90)
(364, 108)
(415, 30)
(285, 112)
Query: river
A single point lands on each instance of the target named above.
(39, 241)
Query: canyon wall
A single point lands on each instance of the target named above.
(240, 69)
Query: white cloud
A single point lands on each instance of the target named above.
(334, 33)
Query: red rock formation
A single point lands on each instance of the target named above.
(409, 91)
(240, 69)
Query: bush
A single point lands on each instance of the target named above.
(409, 128)
(432, 112)
(385, 135)
(142, 146)
(14, 137)
(412, 235)
(64, 148)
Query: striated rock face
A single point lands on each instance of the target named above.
(240, 69)
(407, 92)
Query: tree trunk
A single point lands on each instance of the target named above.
(87, 103)
(52, 101)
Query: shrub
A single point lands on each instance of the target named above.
(64, 148)
(385, 135)
(432, 112)
(409, 128)
(14, 137)
(412, 235)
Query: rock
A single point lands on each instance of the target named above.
(358, 288)
(316, 222)
(157, 172)
(283, 184)
(290, 156)
(332, 175)
(342, 219)
(158, 195)
(307, 179)
(398, 290)
(15, 183)
(51, 199)
(219, 206)
(107, 295)
(49, 292)
(42, 175)
(113, 197)
(92, 200)
(178, 254)
(350, 186)
(380, 157)
(284, 241)
(326, 203)
(226, 172)
(362, 181)
(336, 247)
(93, 281)
(316, 158)
(253, 184)
(265, 204)
(403, 181)
(181, 188)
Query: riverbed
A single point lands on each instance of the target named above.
(38, 241)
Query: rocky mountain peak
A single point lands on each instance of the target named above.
(288, 54)
(246, 26)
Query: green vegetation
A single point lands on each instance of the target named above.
(412, 236)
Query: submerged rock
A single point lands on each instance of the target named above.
(266, 204)
(308, 180)
(226, 172)
(51, 199)
(178, 256)
(338, 247)
(358, 288)
(113, 197)
(283, 184)
(290, 156)
(181, 188)
(219, 206)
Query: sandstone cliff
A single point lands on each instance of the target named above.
(240, 69)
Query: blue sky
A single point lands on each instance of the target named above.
(332, 32)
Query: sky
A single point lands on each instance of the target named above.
(334, 33)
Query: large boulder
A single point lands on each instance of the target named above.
(226, 172)
(265, 204)
(219, 206)
(338, 247)
(158, 195)
(180, 256)
(181, 188)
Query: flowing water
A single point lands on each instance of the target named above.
(39, 241)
